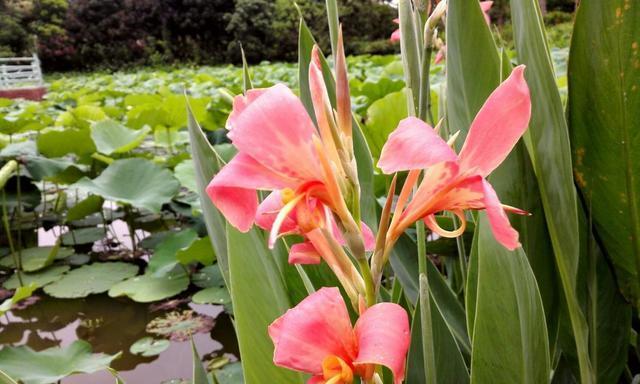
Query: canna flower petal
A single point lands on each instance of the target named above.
(413, 145)
(500, 226)
(304, 253)
(274, 128)
(383, 338)
(486, 6)
(268, 211)
(233, 189)
(240, 102)
(395, 36)
(318, 327)
(498, 126)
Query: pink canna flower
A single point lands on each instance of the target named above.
(456, 182)
(395, 36)
(486, 7)
(317, 337)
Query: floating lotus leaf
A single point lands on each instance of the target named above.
(83, 236)
(180, 325)
(199, 251)
(40, 278)
(53, 364)
(111, 137)
(148, 346)
(136, 181)
(230, 374)
(164, 258)
(34, 259)
(148, 287)
(90, 279)
(209, 276)
(212, 295)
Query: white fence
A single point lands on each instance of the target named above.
(20, 72)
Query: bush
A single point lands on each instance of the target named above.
(14, 37)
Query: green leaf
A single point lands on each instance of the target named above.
(547, 141)
(199, 373)
(91, 279)
(53, 364)
(199, 251)
(41, 168)
(510, 342)
(209, 276)
(39, 279)
(383, 117)
(603, 109)
(138, 182)
(111, 137)
(57, 142)
(34, 259)
(148, 346)
(165, 258)
(186, 174)
(84, 208)
(212, 295)
(83, 236)
(259, 297)
(148, 288)
(6, 379)
(230, 374)
(206, 165)
(20, 294)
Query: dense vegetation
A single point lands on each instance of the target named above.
(85, 34)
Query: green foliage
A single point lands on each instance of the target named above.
(90, 279)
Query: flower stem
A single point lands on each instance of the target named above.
(368, 282)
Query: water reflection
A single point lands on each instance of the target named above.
(112, 325)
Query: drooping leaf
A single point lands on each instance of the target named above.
(90, 279)
(20, 294)
(84, 208)
(148, 287)
(603, 104)
(53, 364)
(510, 343)
(111, 137)
(135, 181)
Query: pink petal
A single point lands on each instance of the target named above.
(240, 102)
(440, 55)
(413, 145)
(304, 253)
(275, 129)
(268, 210)
(486, 6)
(501, 122)
(233, 189)
(316, 380)
(369, 238)
(316, 328)
(396, 20)
(384, 338)
(500, 226)
(395, 36)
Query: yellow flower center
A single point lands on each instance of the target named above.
(336, 371)
(288, 194)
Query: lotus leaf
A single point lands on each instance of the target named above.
(83, 236)
(23, 148)
(148, 346)
(382, 117)
(53, 364)
(209, 276)
(186, 173)
(111, 137)
(138, 182)
(180, 325)
(34, 259)
(84, 208)
(165, 257)
(199, 251)
(20, 294)
(42, 168)
(57, 142)
(90, 279)
(212, 295)
(230, 374)
(40, 278)
(148, 287)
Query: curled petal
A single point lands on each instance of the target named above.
(316, 328)
(275, 129)
(498, 126)
(431, 222)
(268, 211)
(304, 253)
(233, 189)
(383, 338)
(413, 145)
(240, 102)
(500, 226)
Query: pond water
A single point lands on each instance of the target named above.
(112, 326)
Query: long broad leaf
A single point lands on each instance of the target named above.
(207, 164)
(510, 335)
(259, 296)
(604, 100)
(547, 141)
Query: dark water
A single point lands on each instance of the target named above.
(112, 325)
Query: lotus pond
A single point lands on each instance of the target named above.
(104, 250)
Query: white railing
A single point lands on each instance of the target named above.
(20, 72)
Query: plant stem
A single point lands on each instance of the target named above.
(428, 349)
(7, 228)
(19, 193)
(368, 281)
(462, 253)
(129, 220)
